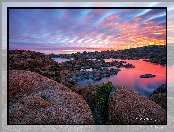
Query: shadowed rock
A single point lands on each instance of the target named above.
(89, 94)
(159, 96)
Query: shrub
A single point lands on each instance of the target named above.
(102, 96)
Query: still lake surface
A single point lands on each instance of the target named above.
(131, 77)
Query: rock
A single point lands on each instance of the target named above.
(129, 66)
(97, 78)
(77, 88)
(106, 75)
(111, 95)
(159, 96)
(147, 76)
(129, 107)
(25, 82)
(35, 99)
(89, 94)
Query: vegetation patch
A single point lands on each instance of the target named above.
(102, 96)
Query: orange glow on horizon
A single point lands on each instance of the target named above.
(157, 33)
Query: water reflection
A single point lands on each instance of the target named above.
(59, 60)
(131, 77)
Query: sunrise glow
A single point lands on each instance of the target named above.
(86, 29)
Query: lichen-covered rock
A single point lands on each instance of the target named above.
(129, 107)
(44, 101)
(23, 60)
(25, 82)
(159, 96)
(34, 102)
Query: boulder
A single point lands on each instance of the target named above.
(147, 76)
(25, 82)
(35, 99)
(129, 107)
(159, 96)
(89, 94)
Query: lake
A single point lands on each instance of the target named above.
(131, 77)
(59, 60)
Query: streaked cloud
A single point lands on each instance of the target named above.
(55, 29)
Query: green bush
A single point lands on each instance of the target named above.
(102, 96)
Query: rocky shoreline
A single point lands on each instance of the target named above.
(153, 54)
(67, 72)
(80, 68)
(34, 99)
(37, 84)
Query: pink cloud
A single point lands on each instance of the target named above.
(85, 20)
(103, 37)
(137, 19)
(91, 16)
(112, 23)
(149, 22)
(113, 17)
(125, 26)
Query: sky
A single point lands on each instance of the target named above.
(54, 30)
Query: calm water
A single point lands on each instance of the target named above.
(59, 60)
(131, 77)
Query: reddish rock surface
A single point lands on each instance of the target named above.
(35, 99)
(29, 60)
(129, 107)
(25, 82)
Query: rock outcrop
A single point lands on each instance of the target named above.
(159, 96)
(129, 107)
(89, 94)
(34, 99)
(25, 82)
